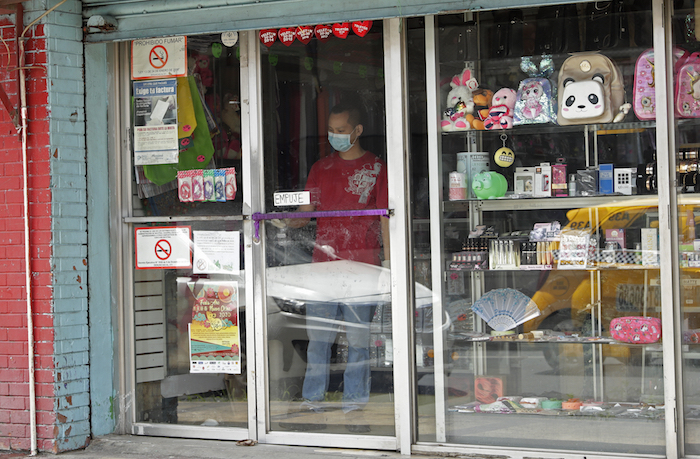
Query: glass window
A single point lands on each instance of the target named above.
(189, 309)
(547, 222)
(328, 286)
(686, 101)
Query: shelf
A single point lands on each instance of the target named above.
(530, 129)
(552, 339)
(564, 202)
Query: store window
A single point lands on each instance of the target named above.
(686, 103)
(327, 251)
(538, 160)
(188, 291)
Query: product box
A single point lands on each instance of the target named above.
(524, 179)
(471, 163)
(616, 235)
(625, 178)
(559, 183)
(543, 180)
(605, 179)
(650, 247)
(587, 182)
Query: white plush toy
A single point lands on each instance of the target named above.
(460, 102)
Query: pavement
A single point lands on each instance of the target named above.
(133, 447)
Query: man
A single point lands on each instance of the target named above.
(349, 179)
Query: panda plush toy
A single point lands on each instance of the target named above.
(591, 90)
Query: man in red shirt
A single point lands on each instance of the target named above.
(349, 179)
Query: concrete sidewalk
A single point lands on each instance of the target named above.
(132, 447)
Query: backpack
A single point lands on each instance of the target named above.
(687, 97)
(590, 90)
(644, 92)
(535, 101)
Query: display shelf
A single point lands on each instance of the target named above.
(562, 202)
(549, 128)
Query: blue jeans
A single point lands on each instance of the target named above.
(322, 321)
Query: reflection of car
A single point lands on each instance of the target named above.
(291, 288)
(569, 299)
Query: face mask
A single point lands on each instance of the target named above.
(341, 142)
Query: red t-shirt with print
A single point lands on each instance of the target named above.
(339, 184)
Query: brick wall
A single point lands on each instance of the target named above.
(57, 194)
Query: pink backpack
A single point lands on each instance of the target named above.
(644, 94)
(687, 97)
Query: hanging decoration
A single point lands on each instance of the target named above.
(322, 32)
(268, 37)
(361, 28)
(341, 29)
(305, 34)
(287, 36)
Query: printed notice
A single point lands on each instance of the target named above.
(159, 58)
(163, 247)
(214, 332)
(216, 252)
(155, 122)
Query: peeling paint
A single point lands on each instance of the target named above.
(69, 399)
(62, 418)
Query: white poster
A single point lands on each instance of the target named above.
(163, 247)
(216, 252)
(155, 122)
(158, 58)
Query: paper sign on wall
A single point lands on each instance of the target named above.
(159, 58)
(155, 122)
(216, 252)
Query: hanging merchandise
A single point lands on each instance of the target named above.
(198, 155)
(273, 59)
(504, 156)
(186, 119)
(644, 92)
(501, 111)
(216, 50)
(536, 101)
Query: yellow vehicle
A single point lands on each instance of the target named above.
(584, 301)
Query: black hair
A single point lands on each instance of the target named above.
(354, 112)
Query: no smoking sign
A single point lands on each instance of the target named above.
(159, 58)
(163, 247)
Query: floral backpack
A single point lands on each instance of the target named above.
(687, 98)
(536, 99)
(644, 92)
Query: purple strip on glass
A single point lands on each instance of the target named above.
(257, 217)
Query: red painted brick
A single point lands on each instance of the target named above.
(20, 444)
(45, 431)
(18, 389)
(45, 404)
(14, 320)
(19, 417)
(12, 348)
(44, 376)
(4, 417)
(45, 417)
(14, 430)
(13, 375)
(44, 334)
(45, 390)
(12, 403)
(4, 389)
(16, 335)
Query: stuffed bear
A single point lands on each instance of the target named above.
(501, 112)
(202, 67)
(482, 104)
(459, 102)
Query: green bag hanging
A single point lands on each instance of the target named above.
(195, 157)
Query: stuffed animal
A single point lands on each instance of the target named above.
(202, 68)
(501, 112)
(489, 185)
(459, 102)
(482, 104)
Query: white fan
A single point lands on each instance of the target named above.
(505, 308)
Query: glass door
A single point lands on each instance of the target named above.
(185, 220)
(325, 232)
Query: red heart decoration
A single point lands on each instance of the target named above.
(268, 37)
(341, 30)
(361, 27)
(305, 33)
(287, 36)
(322, 32)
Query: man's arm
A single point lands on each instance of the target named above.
(300, 222)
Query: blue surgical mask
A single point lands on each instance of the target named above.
(341, 142)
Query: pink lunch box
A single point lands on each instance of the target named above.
(636, 330)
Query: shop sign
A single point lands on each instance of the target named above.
(163, 247)
(159, 58)
(292, 198)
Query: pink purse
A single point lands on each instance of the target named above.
(636, 330)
